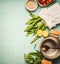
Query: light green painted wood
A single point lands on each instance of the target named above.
(13, 43)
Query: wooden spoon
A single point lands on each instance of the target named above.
(46, 47)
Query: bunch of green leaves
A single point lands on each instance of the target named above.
(33, 57)
(34, 24)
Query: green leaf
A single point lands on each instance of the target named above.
(35, 46)
(28, 28)
(31, 21)
(43, 27)
(36, 38)
(33, 16)
(30, 32)
(33, 57)
(37, 20)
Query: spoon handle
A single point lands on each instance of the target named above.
(56, 48)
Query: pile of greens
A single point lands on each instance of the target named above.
(34, 24)
(33, 57)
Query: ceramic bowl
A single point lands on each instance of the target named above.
(51, 53)
(36, 5)
(45, 5)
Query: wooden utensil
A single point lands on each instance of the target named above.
(45, 47)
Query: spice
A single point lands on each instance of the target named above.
(31, 5)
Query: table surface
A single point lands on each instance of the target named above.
(13, 42)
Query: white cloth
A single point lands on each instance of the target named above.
(51, 15)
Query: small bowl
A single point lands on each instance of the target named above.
(36, 5)
(44, 5)
(51, 53)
